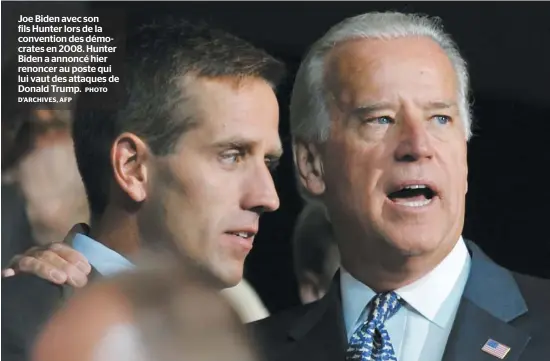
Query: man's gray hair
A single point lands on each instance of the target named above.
(309, 116)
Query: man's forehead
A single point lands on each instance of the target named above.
(370, 57)
(373, 85)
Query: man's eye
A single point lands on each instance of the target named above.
(231, 157)
(442, 119)
(380, 120)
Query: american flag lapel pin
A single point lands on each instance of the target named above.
(496, 349)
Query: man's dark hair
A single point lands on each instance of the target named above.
(157, 56)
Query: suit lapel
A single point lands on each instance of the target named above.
(320, 334)
(473, 327)
(490, 301)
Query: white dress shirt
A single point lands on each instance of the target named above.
(420, 329)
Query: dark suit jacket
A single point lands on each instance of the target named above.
(510, 308)
(27, 303)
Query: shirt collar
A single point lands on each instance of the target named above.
(105, 261)
(355, 297)
(426, 295)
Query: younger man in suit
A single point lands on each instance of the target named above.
(183, 163)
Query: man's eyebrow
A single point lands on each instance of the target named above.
(439, 105)
(369, 108)
(378, 106)
(246, 144)
(236, 141)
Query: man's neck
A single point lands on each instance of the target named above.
(117, 231)
(392, 270)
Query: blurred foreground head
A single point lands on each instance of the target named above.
(160, 312)
(39, 158)
(185, 159)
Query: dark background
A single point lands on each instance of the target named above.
(507, 46)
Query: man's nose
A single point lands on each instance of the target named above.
(261, 195)
(414, 140)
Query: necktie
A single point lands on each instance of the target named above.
(371, 341)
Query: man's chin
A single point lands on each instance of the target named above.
(229, 282)
(414, 246)
(229, 277)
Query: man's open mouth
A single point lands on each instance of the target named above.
(413, 195)
(244, 235)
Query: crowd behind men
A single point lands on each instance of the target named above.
(380, 121)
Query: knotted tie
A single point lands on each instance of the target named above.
(371, 341)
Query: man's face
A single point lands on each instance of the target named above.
(395, 172)
(211, 191)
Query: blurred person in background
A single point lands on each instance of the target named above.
(315, 253)
(184, 162)
(163, 310)
(44, 194)
(49, 180)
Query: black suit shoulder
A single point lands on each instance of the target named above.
(283, 318)
(536, 293)
(27, 303)
(273, 330)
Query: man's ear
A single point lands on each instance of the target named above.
(310, 288)
(129, 156)
(310, 166)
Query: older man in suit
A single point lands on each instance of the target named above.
(380, 121)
